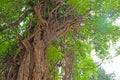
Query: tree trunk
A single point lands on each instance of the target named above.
(34, 65)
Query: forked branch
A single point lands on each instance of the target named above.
(63, 31)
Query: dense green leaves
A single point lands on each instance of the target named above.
(54, 54)
(81, 6)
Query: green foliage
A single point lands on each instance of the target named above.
(4, 47)
(99, 30)
(84, 68)
(80, 5)
(107, 6)
(102, 75)
(83, 61)
(7, 39)
(54, 54)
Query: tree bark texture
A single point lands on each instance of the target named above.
(34, 65)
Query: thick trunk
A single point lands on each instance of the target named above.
(34, 65)
(41, 70)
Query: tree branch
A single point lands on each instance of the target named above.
(59, 3)
(66, 27)
(7, 26)
(63, 31)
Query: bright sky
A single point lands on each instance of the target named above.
(117, 22)
(110, 66)
(114, 65)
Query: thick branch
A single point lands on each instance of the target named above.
(63, 31)
(37, 10)
(7, 26)
(58, 25)
(66, 27)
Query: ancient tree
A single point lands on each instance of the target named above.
(35, 24)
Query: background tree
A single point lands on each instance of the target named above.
(53, 39)
(102, 75)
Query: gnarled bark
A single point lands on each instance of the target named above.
(34, 65)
